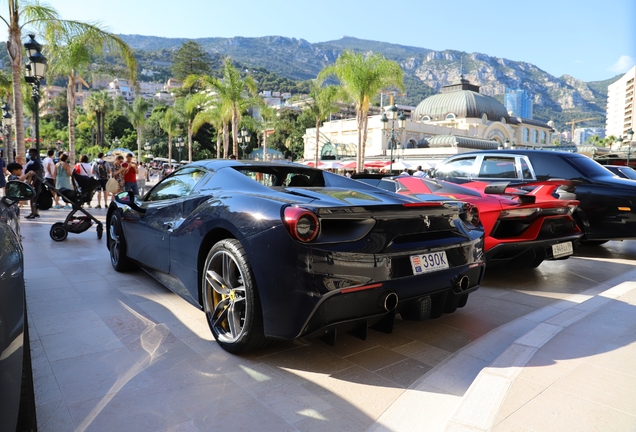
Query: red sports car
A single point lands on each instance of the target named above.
(521, 228)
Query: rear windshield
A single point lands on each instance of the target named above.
(588, 167)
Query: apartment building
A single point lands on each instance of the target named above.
(620, 105)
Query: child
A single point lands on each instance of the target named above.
(15, 173)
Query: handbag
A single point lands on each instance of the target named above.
(112, 185)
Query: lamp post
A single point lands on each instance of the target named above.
(244, 139)
(391, 114)
(35, 73)
(179, 144)
(147, 147)
(630, 137)
(6, 130)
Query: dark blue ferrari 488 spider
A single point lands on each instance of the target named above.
(279, 250)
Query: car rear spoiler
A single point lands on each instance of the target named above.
(542, 189)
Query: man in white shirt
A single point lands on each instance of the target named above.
(142, 176)
(49, 174)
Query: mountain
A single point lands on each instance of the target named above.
(426, 71)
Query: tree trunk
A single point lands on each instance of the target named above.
(226, 140)
(98, 120)
(365, 121)
(317, 141)
(139, 158)
(235, 131)
(170, 150)
(70, 105)
(360, 155)
(189, 141)
(14, 48)
(219, 142)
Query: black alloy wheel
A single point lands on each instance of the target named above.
(117, 244)
(230, 298)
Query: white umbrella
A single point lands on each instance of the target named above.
(399, 165)
(330, 165)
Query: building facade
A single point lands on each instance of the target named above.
(468, 119)
(518, 102)
(581, 135)
(620, 105)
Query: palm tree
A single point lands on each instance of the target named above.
(43, 17)
(137, 116)
(99, 103)
(170, 122)
(362, 77)
(323, 103)
(189, 106)
(236, 93)
(71, 53)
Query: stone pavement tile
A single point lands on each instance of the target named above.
(455, 375)
(521, 391)
(555, 410)
(601, 385)
(616, 313)
(47, 295)
(253, 376)
(347, 344)
(442, 336)
(88, 340)
(46, 283)
(627, 338)
(376, 358)
(187, 426)
(291, 402)
(72, 304)
(43, 272)
(128, 409)
(39, 363)
(393, 340)
(65, 322)
(328, 421)
(55, 417)
(424, 353)
(95, 375)
(509, 426)
(405, 372)
(305, 362)
(356, 392)
(222, 405)
(595, 329)
(468, 323)
(528, 297)
(46, 390)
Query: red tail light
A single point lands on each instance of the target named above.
(301, 223)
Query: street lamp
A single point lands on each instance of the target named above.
(6, 130)
(391, 114)
(630, 136)
(244, 139)
(179, 144)
(147, 147)
(35, 73)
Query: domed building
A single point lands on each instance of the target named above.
(457, 119)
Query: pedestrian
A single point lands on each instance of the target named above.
(101, 170)
(83, 167)
(233, 157)
(130, 175)
(142, 176)
(3, 173)
(49, 174)
(15, 173)
(404, 173)
(35, 167)
(418, 172)
(63, 174)
(118, 174)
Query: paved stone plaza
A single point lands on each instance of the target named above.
(550, 349)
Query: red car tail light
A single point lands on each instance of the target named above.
(302, 224)
(519, 213)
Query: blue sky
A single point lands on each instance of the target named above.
(588, 40)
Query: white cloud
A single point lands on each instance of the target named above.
(577, 61)
(623, 64)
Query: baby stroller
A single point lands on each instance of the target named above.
(85, 187)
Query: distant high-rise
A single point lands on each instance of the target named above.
(620, 105)
(519, 102)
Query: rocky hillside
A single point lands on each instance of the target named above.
(555, 98)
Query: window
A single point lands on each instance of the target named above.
(425, 118)
(534, 136)
(177, 185)
(542, 137)
(462, 167)
(525, 134)
(525, 170)
(450, 116)
(498, 167)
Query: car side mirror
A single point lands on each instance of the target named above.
(17, 191)
(128, 198)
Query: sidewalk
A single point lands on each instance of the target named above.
(570, 366)
(548, 349)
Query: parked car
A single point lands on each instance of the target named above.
(280, 251)
(17, 406)
(622, 171)
(606, 210)
(521, 229)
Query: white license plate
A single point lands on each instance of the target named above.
(429, 262)
(562, 249)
